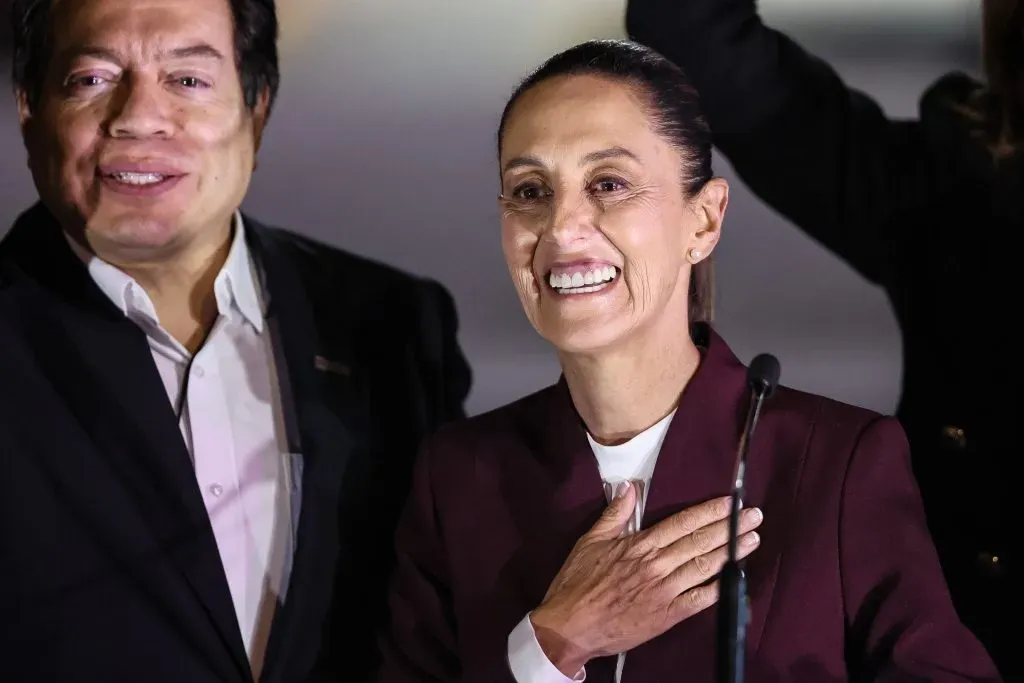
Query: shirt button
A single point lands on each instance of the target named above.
(198, 372)
(216, 490)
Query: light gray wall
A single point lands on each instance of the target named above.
(383, 142)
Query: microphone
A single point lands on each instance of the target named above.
(733, 609)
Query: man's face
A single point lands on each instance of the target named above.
(141, 143)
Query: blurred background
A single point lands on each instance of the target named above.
(383, 143)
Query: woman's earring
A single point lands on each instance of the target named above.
(695, 256)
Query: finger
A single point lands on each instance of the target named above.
(687, 521)
(703, 568)
(707, 539)
(694, 601)
(618, 513)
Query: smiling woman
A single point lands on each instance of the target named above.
(608, 207)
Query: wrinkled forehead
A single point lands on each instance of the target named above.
(140, 30)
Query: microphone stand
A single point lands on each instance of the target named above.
(733, 609)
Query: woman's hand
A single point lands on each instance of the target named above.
(615, 592)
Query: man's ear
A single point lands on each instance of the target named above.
(260, 114)
(24, 110)
(710, 206)
(27, 122)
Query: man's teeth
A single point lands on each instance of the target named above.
(139, 178)
(582, 279)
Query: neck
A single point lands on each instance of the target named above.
(621, 392)
(181, 286)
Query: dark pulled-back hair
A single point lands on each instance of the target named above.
(255, 23)
(676, 113)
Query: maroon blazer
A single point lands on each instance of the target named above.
(845, 586)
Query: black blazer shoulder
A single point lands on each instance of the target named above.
(380, 311)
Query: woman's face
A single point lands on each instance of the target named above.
(597, 231)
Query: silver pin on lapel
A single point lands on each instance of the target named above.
(328, 365)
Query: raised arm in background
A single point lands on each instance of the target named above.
(822, 154)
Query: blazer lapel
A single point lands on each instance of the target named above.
(564, 495)
(696, 464)
(100, 364)
(319, 403)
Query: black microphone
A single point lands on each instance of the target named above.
(733, 614)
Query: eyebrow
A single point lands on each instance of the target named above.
(599, 155)
(203, 50)
(200, 50)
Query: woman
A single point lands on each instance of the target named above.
(510, 565)
(921, 208)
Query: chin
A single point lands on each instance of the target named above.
(134, 231)
(583, 337)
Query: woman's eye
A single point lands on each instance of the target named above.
(528, 192)
(608, 185)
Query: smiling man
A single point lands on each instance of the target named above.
(206, 425)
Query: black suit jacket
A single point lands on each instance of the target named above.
(109, 570)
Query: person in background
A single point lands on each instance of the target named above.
(918, 207)
(207, 425)
(512, 566)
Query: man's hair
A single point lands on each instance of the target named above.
(255, 24)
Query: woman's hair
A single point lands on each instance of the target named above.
(674, 108)
(1000, 104)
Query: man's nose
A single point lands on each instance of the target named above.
(140, 110)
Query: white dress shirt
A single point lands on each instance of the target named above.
(232, 424)
(631, 461)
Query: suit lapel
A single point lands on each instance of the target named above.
(562, 496)
(100, 363)
(696, 464)
(318, 401)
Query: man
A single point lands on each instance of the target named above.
(913, 206)
(207, 426)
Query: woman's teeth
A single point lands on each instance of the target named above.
(584, 280)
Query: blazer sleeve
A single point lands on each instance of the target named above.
(901, 621)
(446, 372)
(820, 153)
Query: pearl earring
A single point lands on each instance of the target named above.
(695, 255)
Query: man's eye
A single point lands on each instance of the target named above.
(89, 81)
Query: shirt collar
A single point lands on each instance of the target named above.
(235, 287)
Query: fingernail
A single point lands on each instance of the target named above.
(751, 539)
(620, 489)
(754, 514)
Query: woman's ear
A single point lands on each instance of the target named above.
(710, 206)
